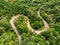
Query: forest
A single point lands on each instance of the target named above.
(29, 22)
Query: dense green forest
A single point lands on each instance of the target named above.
(49, 10)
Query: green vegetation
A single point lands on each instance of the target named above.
(49, 10)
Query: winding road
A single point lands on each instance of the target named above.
(28, 25)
